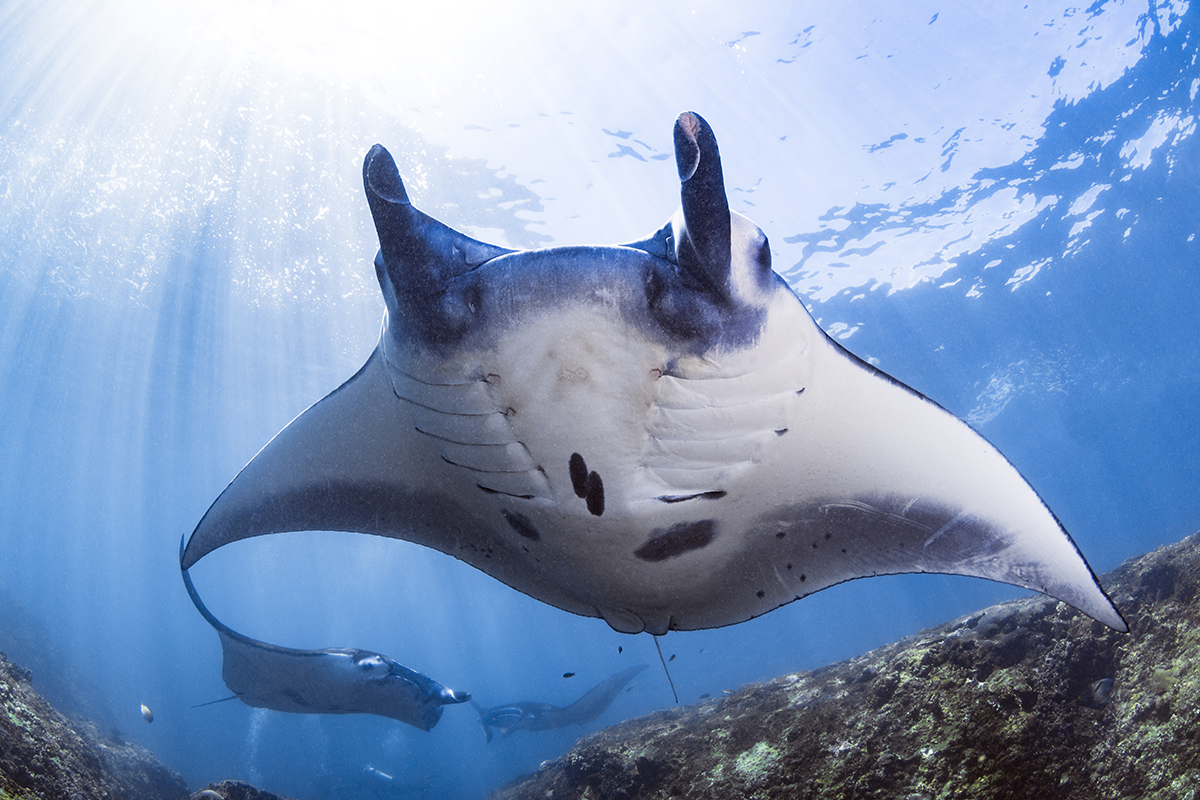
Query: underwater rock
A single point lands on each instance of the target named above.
(1028, 698)
(233, 790)
(46, 755)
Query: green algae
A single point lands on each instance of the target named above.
(1161, 681)
(754, 764)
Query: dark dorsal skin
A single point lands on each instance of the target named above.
(526, 715)
(655, 433)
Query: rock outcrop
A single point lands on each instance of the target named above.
(1024, 699)
(47, 756)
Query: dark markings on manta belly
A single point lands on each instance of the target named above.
(677, 540)
(595, 494)
(579, 474)
(586, 484)
(521, 524)
(679, 498)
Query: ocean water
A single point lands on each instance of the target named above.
(998, 207)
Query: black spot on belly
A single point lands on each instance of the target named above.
(595, 493)
(761, 594)
(521, 524)
(676, 540)
(586, 484)
(579, 474)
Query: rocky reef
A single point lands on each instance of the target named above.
(1024, 699)
(46, 755)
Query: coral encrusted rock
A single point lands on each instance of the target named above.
(1026, 699)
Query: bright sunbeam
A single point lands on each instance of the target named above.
(425, 51)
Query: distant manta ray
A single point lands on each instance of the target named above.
(654, 433)
(526, 715)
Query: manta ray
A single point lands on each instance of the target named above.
(526, 715)
(654, 433)
(335, 680)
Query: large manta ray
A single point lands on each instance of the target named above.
(528, 715)
(654, 433)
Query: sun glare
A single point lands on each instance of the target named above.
(353, 41)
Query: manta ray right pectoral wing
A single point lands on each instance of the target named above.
(873, 478)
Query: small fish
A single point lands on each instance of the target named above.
(727, 691)
(1099, 693)
(705, 696)
(147, 714)
(568, 674)
(672, 658)
(620, 649)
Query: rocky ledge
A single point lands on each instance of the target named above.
(47, 756)
(1024, 699)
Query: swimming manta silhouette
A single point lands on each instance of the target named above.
(654, 433)
(526, 715)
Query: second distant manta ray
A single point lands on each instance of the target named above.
(526, 715)
(655, 433)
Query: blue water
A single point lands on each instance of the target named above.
(999, 208)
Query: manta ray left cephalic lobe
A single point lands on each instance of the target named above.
(654, 433)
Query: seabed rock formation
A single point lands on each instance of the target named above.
(46, 756)
(1026, 699)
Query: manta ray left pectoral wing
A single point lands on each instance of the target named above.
(345, 464)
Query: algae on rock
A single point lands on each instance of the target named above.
(1025, 699)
